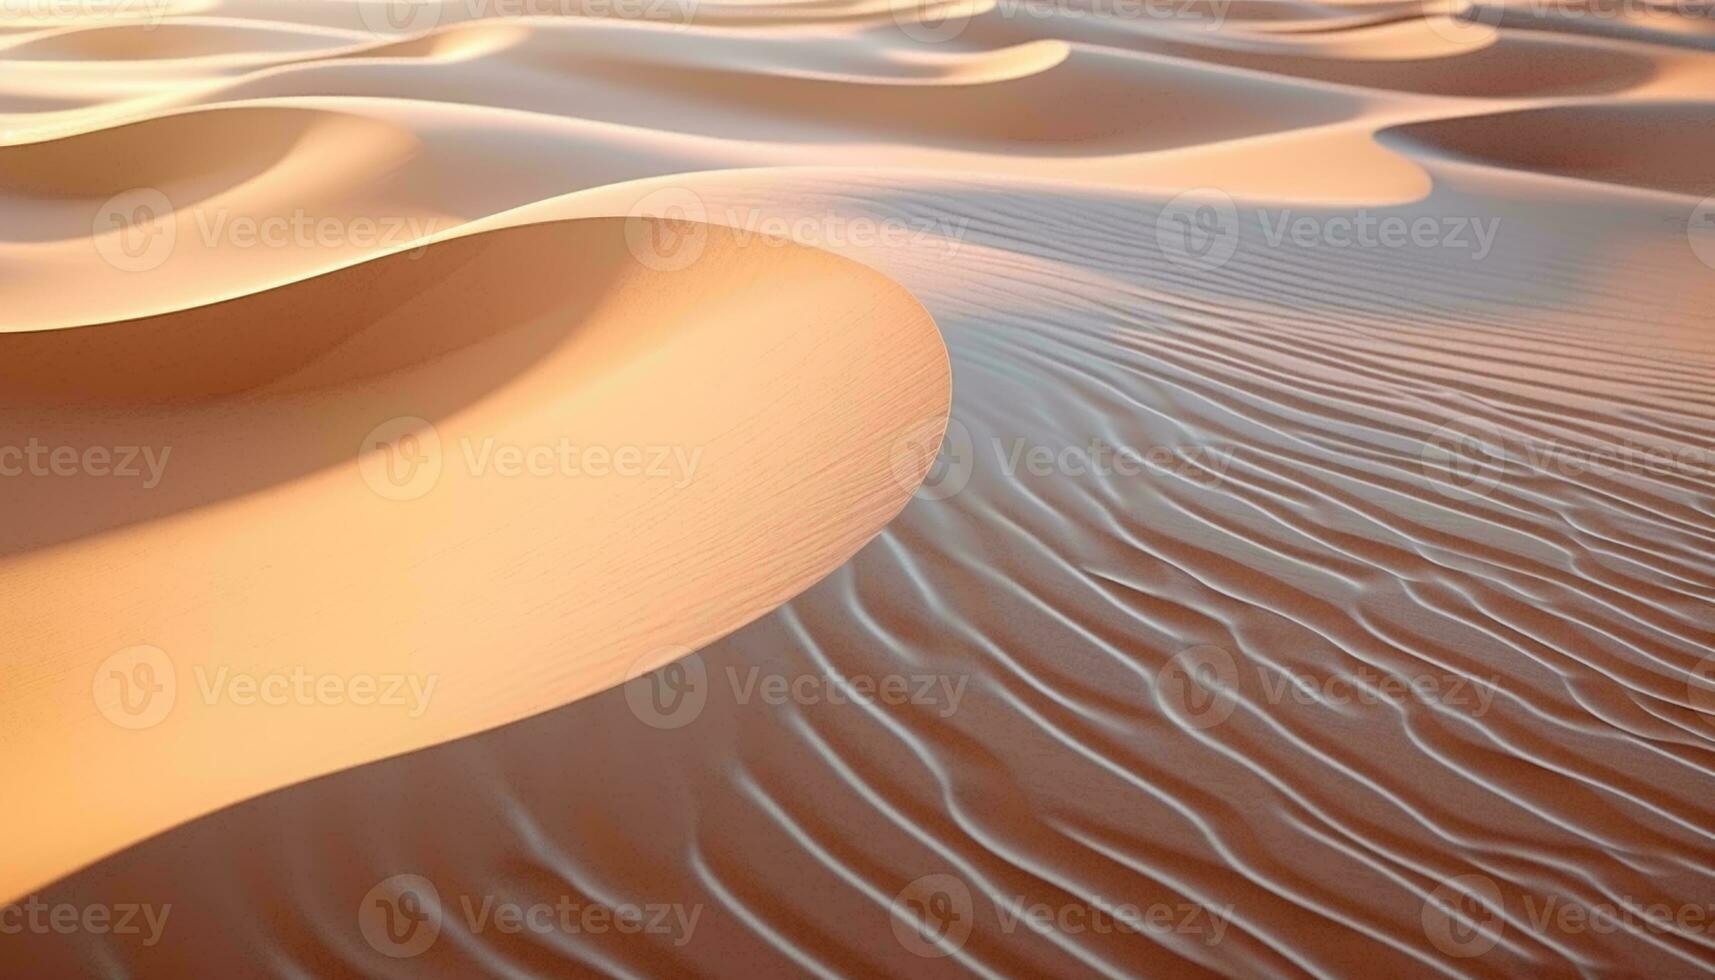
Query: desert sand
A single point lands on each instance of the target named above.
(1318, 551)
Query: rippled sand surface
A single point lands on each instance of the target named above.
(1315, 578)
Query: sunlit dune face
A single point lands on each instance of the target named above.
(633, 393)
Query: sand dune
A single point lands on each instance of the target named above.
(1318, 555)
(543, 340)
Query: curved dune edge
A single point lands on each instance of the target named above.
(1658, 146)
(799, 398)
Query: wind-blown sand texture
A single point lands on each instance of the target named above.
(1394, 647)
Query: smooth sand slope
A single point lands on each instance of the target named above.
(1384, 652)
(572, 468)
